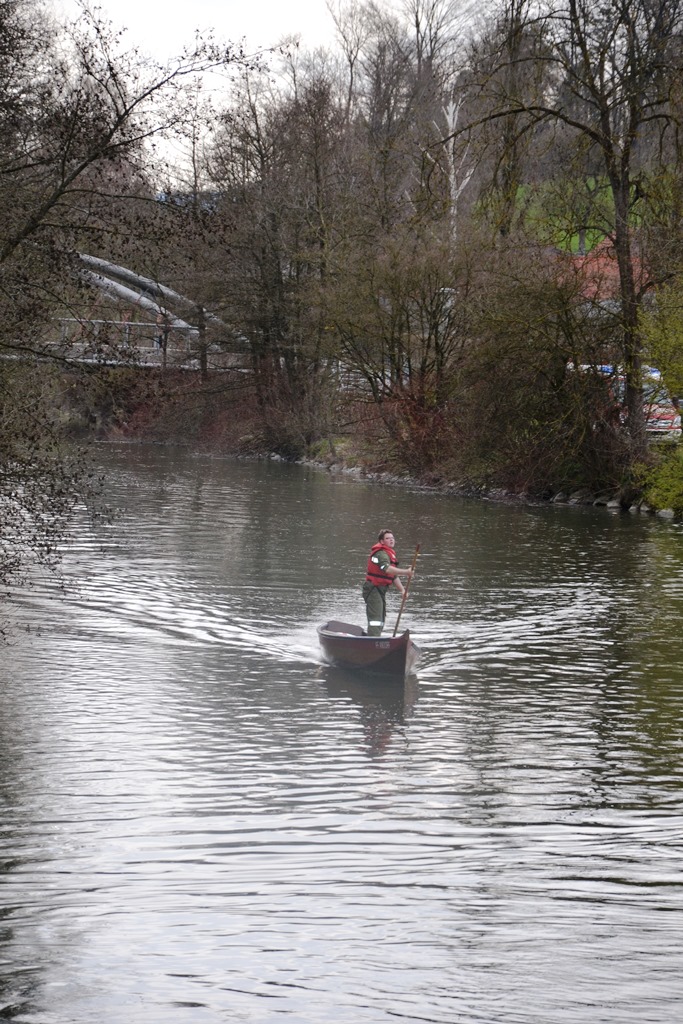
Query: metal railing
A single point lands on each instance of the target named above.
(137, 343)
(140, 333)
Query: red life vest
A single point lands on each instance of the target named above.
(374, 573)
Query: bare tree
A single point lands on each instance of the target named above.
(279, 157)
(353, 23)
(608, 75)
(75, 112)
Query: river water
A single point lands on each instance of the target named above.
(200, 823)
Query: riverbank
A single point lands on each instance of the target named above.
(221, 416)
(614, 501)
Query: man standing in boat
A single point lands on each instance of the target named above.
(381, 573)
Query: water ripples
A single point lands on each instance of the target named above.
(200, 822)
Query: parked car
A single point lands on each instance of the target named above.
(662, 413)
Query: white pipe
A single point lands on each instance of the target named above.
(145, 284)
(120, 291)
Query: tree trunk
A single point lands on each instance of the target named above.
(631, 341)
(203, 358)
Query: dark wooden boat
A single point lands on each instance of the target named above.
(348, 646)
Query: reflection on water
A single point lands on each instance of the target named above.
(384, 705)
(200, 822)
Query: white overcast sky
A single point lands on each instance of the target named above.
(162, 27)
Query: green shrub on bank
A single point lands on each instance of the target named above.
(663, 483)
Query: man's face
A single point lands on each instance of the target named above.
(389, 540)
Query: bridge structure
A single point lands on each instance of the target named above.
(142, 343)
(160, 337)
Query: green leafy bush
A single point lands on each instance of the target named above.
(663, 483)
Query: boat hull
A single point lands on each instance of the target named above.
(347, 646)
